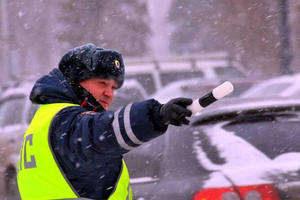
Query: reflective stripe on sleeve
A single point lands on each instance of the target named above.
(116, 128)
(128, 128)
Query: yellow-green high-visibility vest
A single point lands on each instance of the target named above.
(39, 174)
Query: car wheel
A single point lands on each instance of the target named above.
(11, 187)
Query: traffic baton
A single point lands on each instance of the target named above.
(216, 94)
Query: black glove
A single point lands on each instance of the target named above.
(175, 112)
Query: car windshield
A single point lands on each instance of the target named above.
(262, 135)
(297, 93)
(270, 90)
(146, 80)
(188, 90)
(272, 134)
(126, 96)
(11, 111)
(168, 77)
(265, 145)
(228, 72)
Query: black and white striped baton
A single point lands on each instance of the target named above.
(216, 94)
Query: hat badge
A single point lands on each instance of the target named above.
(117, 64)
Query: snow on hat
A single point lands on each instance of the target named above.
(89, 61)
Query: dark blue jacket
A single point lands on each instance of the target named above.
(89, 145)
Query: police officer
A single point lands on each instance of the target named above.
(73, 147)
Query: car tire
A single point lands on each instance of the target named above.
(11, 186)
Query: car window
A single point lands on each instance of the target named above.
(182, 160)
(146, 80)
(11, 111)
(272, 134)
(270, 90)
(33, 108)
(132, 93)
(228, 72)
(125, 96)
(295, 93)
(171, 76)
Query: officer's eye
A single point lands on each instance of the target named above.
(102, 83)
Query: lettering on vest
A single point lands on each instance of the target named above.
(31, 163)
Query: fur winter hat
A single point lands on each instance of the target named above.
(89, 61)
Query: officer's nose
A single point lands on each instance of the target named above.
(109, 92)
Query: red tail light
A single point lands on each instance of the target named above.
(253, 192)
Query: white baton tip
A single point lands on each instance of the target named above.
(195, 106)
(223, 90)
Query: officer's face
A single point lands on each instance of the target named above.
(101, 89)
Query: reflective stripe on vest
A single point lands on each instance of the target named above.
(39, 175)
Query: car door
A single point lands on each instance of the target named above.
(167, 167)
(12, 128)
(145, 168)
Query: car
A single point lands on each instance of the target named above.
(281, 86)
(131, 91)
(233, 149)
(154, 74)
(195, 88)
(16, 112)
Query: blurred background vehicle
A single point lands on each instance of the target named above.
(155, 74)
(197, 87)
(281, 86)
(16, 112)
(237, 149)
(131, 91)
